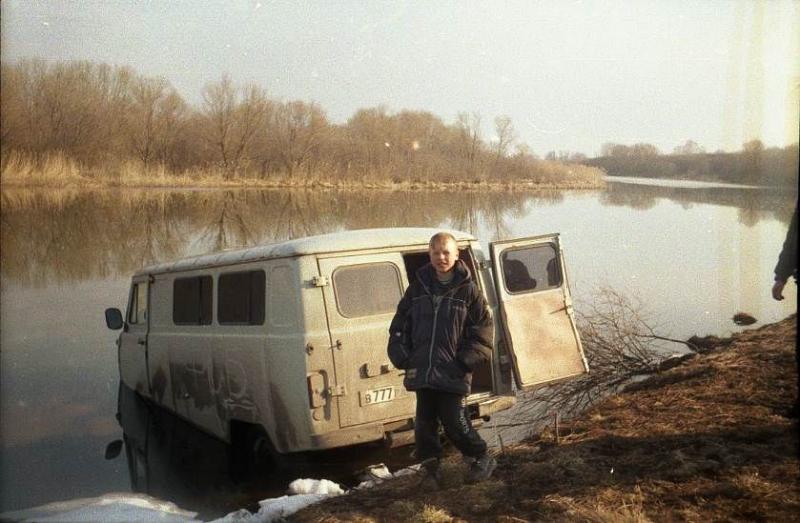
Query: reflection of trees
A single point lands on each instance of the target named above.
(70, 236)
(617, 194)
(495, 210)
(753, 205)
(225, 226)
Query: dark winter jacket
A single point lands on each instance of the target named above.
(439, 339)
(787, 261)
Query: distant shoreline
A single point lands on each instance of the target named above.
(186, 182)
(59, 170)
(686, 183)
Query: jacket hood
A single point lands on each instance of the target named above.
(427, 275)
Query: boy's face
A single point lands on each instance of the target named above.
(443, 255)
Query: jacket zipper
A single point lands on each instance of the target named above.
(436, 303)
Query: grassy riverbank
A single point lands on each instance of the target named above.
(58, 171)
(708, 440)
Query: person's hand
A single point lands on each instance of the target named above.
(777, 289)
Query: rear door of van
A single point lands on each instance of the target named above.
(536, 310)
(361, 295)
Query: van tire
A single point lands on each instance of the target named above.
(252, 451)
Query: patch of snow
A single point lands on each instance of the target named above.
(315, 486)
(111, 508)
(377, 474)
(274, 509)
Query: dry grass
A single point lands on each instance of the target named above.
(58, 171)
(704, 441)
(53, 170)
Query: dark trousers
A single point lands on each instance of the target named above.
(434, 406)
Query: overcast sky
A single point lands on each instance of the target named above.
(571, 75)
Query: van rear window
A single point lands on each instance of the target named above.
(368, 289)
(240, 298)
(191, 301)
(533, 268)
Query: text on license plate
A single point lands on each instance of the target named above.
(369, 397)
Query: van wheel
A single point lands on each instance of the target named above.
(252, 451)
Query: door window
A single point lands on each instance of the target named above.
(531, 269)
(137, 312)
(367, 289)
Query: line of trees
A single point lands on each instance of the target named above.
(754, 164)
(98, 115)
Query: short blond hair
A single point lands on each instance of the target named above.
(441, 237)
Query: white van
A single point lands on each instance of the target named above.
(288, 341)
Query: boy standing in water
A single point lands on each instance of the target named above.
(441, 331)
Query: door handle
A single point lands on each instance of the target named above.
(142, 341)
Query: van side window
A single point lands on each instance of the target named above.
(191, 301)
(137, 313)
(533, 268)
(282, 296)
(240, 298)
(368, 289)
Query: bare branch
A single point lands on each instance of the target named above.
(620, 345)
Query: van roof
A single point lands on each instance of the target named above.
(325, 243)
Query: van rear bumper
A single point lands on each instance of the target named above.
(347, 436)
(494, 404)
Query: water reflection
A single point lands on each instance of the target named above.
(753, 204)
(63, 236)
(169, 459)
(68, 236)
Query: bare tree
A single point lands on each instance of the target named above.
(172, 122)
(505, 135)
(219, 100)
(469, 132)
(368, 131)
(688, 147)
(234, 117)
(11, 107)
(147, 95)
(298, 128)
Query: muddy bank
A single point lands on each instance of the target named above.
(707, 440)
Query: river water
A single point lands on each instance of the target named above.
(691, 255)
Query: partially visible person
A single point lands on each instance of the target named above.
(787, 260)
(787, 266)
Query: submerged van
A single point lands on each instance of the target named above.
(288, 340)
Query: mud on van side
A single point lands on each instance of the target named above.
(290, 339)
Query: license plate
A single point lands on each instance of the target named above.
(370, 397)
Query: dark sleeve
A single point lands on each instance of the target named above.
(476, 346)
(787, 261)
(399, 347)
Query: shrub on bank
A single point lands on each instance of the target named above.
(58, 170)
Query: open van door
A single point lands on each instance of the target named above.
(536, 310)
